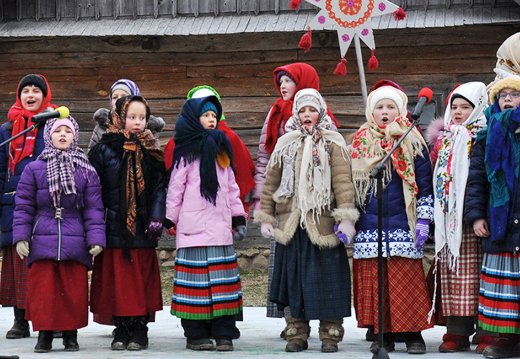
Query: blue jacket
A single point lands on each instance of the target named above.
(9, 181)
(397, 237)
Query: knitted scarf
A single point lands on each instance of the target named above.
(305, 76)
(371, 144)
(451, 171)
(314, 193)
(62, 164)
(133, 145)
(21, 119)
(502, 161)
(193, 142)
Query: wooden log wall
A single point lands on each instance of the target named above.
(81, 70)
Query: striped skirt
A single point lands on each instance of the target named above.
(499, 301)
(206, 284)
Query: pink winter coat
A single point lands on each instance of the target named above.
(199, 223)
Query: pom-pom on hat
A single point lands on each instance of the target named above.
(387, 92)
(512, 82)
(63, 122)
(33, 80)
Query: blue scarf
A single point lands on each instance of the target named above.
(502, 161)
(193, 142)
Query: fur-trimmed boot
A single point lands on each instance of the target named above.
(331, 333)
(70, 340)
(20, 328)
(297, 333)
(44, 344)
(139, 333)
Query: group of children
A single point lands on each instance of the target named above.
(312, 194)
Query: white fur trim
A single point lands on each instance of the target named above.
(352, 214)
(262, 217)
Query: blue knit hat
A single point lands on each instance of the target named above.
(208, 106)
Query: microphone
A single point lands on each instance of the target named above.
(425, 96)
(60, 112)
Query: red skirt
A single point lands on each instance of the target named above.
(57, 295)
(125, 287)
(13, 282)
(406, 300)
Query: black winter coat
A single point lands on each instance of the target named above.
(107, 159)
(476, 203)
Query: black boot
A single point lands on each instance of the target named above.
(414, 343)
(121, 333)
(139, 337)
(20, 327)
(70, 340)
(44, 344)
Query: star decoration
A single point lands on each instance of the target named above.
(350, 18)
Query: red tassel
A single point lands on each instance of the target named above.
(341, 68)
(373, 63)
(295, 4)
(306, 41)
(399, 14)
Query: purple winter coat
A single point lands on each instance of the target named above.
(82, 224)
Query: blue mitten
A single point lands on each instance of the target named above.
(422, 230)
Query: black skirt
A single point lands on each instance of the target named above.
(313, 282)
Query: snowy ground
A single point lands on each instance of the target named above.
(260, 339)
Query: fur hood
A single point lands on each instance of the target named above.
(154, 124)
(434, 130)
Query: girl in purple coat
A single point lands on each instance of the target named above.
(203, 201)
(58, 225)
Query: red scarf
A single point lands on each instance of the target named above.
(305, 76)
(21, 119)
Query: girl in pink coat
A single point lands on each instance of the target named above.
(203, 201)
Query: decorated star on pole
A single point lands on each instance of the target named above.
(349, 18)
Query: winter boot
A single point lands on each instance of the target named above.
(484, 342)
(44, 344)
(506, 346)
(297, 333)
(414, 343)
(452, 343)
(331, 333)
(20, 327)
(121, 333)
(139, 336)
(70, 340)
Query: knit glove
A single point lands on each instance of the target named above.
(95, 250)
(239, 233)
(154, 229)
(345, 231)
(22, 248)
(422, 230)
(267, 230)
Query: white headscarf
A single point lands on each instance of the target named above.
(451, 170)
(508, 59)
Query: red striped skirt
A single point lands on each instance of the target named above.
(13, 281)
(125, 287)
(57, 295)
(406, 300)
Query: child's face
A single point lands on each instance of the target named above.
(287, 87)
(385, 112)
(208, 120)
(308, 117)
(116, 95)
(31, 98)
(62, 137)
(135, 117)
(508, 98)
(460, 111)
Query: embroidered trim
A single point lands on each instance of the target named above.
(399, 243)
(425, 208)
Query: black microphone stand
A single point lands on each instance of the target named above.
(377, 173)
(37, 124)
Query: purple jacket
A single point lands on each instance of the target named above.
(69, 238)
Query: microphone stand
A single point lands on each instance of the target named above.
(21, 133)
(377, 173)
